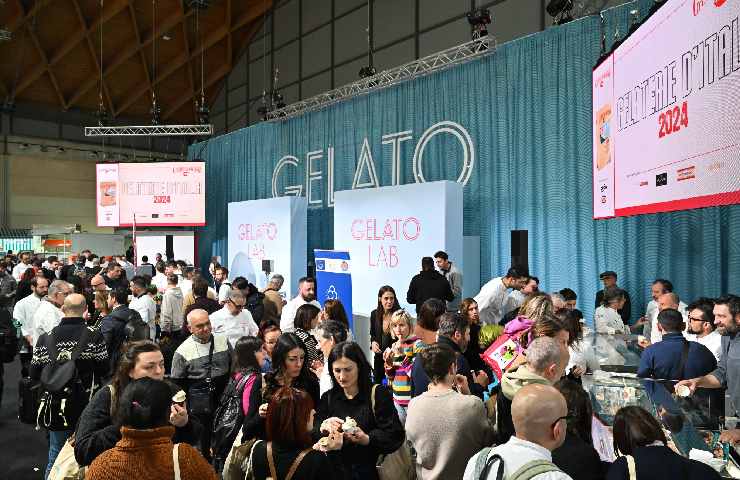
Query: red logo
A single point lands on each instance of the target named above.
(699, 4)
(686, 173)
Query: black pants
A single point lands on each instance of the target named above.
(2, 382)
(205, 435)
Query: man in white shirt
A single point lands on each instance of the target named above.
(659, 287)
(233, 320)
(306, 294)
(23, 312)
(701, 326)
(492, 298)
(517, 296)
(664, 302)
(160, 278)
(223, 285)
(23, 265)
(144, 304)
(49, 312)
(539, 413)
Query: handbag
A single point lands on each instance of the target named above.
(200, 395)
(399, 465)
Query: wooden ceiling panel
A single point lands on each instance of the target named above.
(60, 44)
(77, 67)
(59, 12)
(120, 85)
(42, 91)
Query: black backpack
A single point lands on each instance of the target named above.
(228, 419)
(64, 394)
(8, 337)
(136, 328)
(256, 306)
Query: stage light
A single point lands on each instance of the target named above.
(366, 72)
(479, 19)
(92, 154)
(560, 10)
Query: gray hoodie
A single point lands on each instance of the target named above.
(171, 315)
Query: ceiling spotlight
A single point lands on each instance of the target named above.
(61, 150)
(166, 37)
(23, 146)
(560, 10)
(43, 148)
(200, 4)
(92, 154)
(479, 19)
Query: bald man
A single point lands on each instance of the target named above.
(539, 413)
(665, 301)
(202, 360)
(92, 366)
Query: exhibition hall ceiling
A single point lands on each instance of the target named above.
(148, 46)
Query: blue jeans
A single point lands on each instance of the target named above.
(401, 412)
(56, 442)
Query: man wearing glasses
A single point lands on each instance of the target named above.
(701, 326)
(540, 416)
(49, 312)
(234, 320)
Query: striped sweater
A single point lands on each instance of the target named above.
(399, 374)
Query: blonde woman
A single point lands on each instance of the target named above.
(399, 359)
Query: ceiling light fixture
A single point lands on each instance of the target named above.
(166, 37)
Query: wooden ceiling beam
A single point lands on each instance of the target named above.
(45, 60)
(127, 53)
(24, 16)
(110, 11)
(253, 13)
(186, 43)
(212, 78)
(141, 49)
(91, 49)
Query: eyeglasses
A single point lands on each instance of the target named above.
(565, 417)
(692, 319)
(239, 306)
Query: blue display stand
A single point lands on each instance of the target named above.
(334, 279)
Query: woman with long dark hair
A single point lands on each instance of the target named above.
(306, 320)
(362, 411)
(146, 449)
(245, 386)
(380, 329)
(289, 369)
(334, 310)
(469, 311)
(24, 285)
(96, 431)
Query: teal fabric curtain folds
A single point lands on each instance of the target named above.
(527, 109)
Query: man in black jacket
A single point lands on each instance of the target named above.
(114, 277)
(428, 284)
(113, 326)
(92, 364)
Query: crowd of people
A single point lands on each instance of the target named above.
(146, 370)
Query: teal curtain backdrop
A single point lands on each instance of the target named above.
(527, 108)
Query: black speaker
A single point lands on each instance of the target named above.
(520, 249)
(169, 251)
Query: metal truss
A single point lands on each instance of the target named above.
(150, 131)
(423, 66)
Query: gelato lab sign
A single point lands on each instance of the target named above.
(366, 174)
